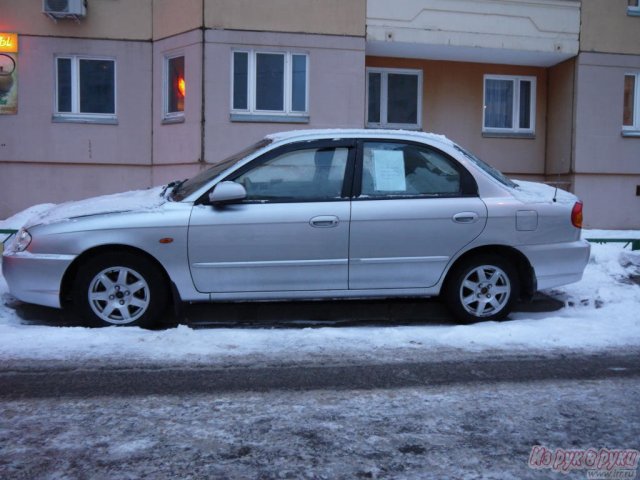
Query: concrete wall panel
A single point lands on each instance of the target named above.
(113, 19)
(453, 103)
(534, 27)
(336, 86)
(610, 201)
(176, 143)
(32, 136)
(560, 117)
(26, 184)
(331, 17)
(171, 17)
(607, 28)
(600, 147)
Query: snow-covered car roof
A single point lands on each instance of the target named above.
(293, 135)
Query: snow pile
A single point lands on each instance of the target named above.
(601, 312)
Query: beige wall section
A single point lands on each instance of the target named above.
(452, 105)
(560, 112)
(331, 17)
(32, 135)
(29, 184)
(178, 143)
(109, 19)
(336, 86)
(607, 28)
(171, 17)
(599, 144)
(610, 201)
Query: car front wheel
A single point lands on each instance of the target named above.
(484, 287)
(120, 289)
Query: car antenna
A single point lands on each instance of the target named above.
(555, 193)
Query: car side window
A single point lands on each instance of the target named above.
(401, 170)
(312, 174)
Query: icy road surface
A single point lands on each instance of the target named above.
(463, 431)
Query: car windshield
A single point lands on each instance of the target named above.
(186, 188)
(485, 167)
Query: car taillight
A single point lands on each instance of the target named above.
(576, 215)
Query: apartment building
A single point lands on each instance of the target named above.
(124, 94)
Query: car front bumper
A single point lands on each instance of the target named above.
(35, 278)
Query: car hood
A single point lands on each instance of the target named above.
(534, 192)
(119, 202)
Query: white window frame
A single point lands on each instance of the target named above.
(288, 83)
(75, 113)
(166, 114)
(384, 97)
(636, 105)
(515, 128)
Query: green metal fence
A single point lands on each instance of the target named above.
(634, 242)
(7, 235)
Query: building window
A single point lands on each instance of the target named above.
(633, 8)
(175, 87)
(269, 84)
(85, 87)
(394, 98)
(631, 110)
(509, 104)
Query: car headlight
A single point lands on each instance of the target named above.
(20, 242)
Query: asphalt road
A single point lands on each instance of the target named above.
(463, 419)
(86, 382)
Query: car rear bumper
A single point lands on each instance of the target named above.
(35, 278)
(558, 263)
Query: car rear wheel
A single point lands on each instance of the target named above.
(120, 289)
(483, 287)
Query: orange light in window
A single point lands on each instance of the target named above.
(9, 42)
(182, 86)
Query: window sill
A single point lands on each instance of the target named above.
(630, 133)
(524, 136)
(171, 120)
(260, 118)
(633, 11)
(85, 120)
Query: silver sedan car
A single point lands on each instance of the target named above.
(307, 215)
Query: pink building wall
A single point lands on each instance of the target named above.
(336, 86)
(56, 161)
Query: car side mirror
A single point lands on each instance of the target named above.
(227, 192)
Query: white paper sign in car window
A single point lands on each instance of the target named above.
(388, 171)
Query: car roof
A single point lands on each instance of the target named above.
(319, 134)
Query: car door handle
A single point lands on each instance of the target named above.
(465, 217)
(324, 221)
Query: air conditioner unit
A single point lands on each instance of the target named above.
(64, 8)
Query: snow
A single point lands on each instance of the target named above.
(118, 202)
(601, 312)
(535, 192)
(348, 133)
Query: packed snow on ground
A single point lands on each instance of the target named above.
(601, 312)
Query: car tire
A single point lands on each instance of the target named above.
(120, 289)
(482, 287)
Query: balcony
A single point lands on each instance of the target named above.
(515, 32)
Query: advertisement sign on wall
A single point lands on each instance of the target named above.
(8, 73)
